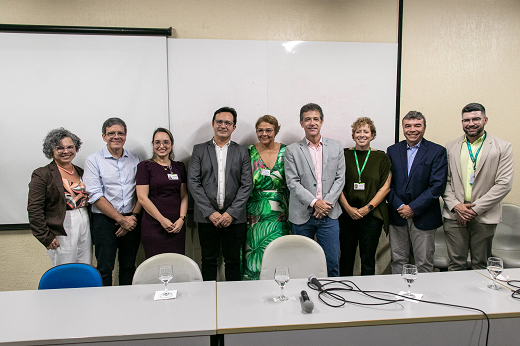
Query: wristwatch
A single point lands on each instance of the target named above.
(136, 215)
(370, 207)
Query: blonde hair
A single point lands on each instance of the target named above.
(361, 122)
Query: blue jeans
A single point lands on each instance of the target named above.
(106, 245)
(327, 235)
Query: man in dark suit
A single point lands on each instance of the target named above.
(220, 181)
(419, 172)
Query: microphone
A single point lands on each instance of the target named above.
(307, 304)
(312, 279)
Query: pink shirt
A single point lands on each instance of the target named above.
(317, 160)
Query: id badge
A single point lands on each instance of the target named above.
(471, 178)
(173, 177)
(359, 186)
(266, 172)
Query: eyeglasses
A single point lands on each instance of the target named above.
(227, 123)
(165, 143)
(266, 131)
(474, 120)
(61, 149)
(113, 134)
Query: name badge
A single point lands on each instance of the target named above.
(266, 172)
(173, 177)
(472, 178)
(359, 186)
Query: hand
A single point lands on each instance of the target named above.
(127, 222)
(354, 213)
(177, 226)
(54, 244)
(318, 215)
(215, 218)
(167, 225)
(225, 220)
(465, 211)
(405, 212)
(363, 211)
(460, 221)
(322, 207)
(121, 232)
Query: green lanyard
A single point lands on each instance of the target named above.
(473, 159)
(362, 168)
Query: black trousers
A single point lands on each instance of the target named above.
(106, 245)
(231, 239)
(366, 232)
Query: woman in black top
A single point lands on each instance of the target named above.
(367, 182)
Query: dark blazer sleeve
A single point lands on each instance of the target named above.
(238, 206)
(37, 205)
(195, 181)
(393, 198)
(437, 185)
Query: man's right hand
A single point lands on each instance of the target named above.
(127, 222)
(323, 207)
(465, 211)
(215, 218)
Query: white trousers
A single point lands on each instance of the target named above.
(76, 246)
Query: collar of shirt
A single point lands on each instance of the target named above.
(311, 145)
(225, 145)
(414, 147)
(107, 155)
(477, 141)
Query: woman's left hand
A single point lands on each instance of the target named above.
(177, 226)
(364, 211)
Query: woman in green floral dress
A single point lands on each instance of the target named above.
(267, 208)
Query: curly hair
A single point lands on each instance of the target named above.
(270, 120)
(361, 122)
(53, 139)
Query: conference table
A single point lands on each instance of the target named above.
(248, 314)
(119, 315)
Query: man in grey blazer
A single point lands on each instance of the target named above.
(480, 175)
(315, 174)
(220, 182)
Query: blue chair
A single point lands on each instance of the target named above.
(70, 275)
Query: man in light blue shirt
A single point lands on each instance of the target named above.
(109, 178)
(419, 173)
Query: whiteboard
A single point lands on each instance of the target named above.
(346, 79)
(77, 82)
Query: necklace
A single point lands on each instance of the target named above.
(64, 170)
(165, 167)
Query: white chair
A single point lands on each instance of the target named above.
(184, 269)
(302, 255)
(441, 259)
(506, 243)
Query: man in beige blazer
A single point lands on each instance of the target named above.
(480, 175)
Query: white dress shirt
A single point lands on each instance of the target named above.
(221, 161)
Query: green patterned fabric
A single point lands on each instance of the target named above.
(263, 223)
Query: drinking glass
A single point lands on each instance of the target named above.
(281, 276)
(409, 275)
(165, 275)
(494, 267)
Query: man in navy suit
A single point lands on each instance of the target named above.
(419, 173)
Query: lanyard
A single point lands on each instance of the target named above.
(357, 163)
(474, 159)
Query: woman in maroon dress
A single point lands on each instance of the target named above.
(161, 190)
